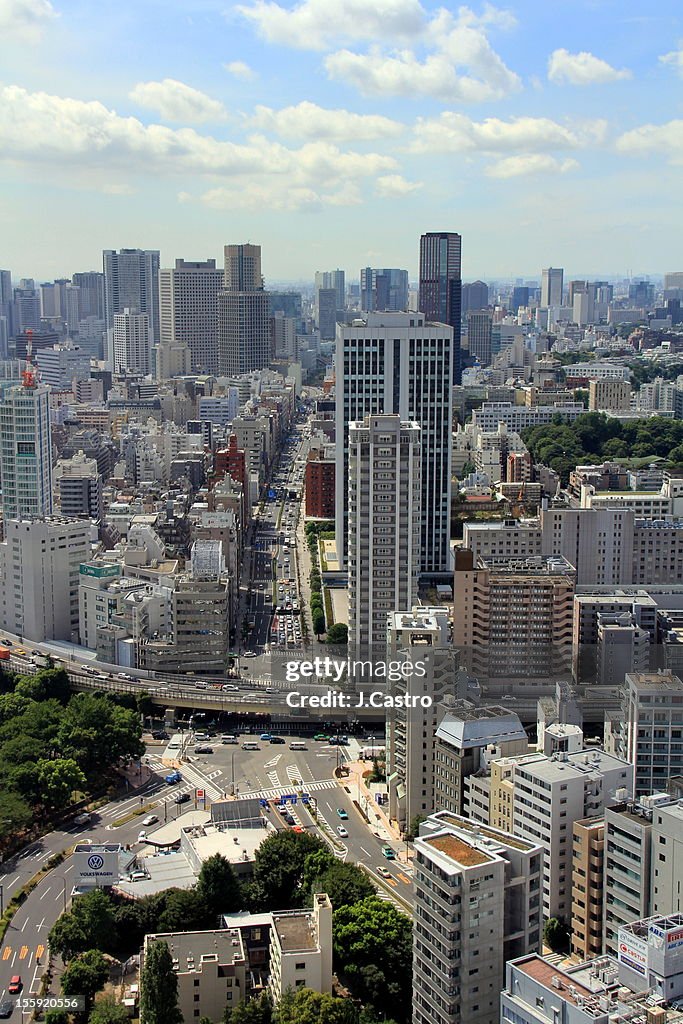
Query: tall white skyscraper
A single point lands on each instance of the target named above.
(398, 363)
(132, 342)
(332, 279)
(243, 313)
(188, 311)
(26, 450)
(552, 286)
(131, 281)
(384, 523)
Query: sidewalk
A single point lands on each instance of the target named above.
(377, 817)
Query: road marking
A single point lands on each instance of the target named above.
(404, 878)
(23, 953)
(366, 852)
(46, 892)
(7, 952)
(39, 951)
(70, 868)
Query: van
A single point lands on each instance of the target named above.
(229, 739)
(82, 819)
(298, 745)
(250, 745)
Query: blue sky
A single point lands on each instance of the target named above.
(333, 132)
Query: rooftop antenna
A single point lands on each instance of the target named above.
(29, 374)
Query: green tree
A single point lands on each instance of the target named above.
(58, 781)
(56, 1017)
(96, 732)
(184, 911)
(15, 815)
(108, 1011)
(556, 935)
(12, 706)
(338, 633)
(279, 869)
(308, 1007)
(255, 1011)
(318, 617)
(159, 987)
(373, 954)
(345, 884)
(85, 975)
(91, 924)
(217, 885)
(414, 829)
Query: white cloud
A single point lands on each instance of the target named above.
(175, 101)
(307, 120)
(529, 164)
(451, 132)
(240, 70)
(675, 58)
(665, 141)
(394, 186)
(582, 69)
(462, 67)
(24, 20)
(280, 197)
(317, 24)
(85, 138)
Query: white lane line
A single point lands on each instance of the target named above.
(366, 852)
(49, 888)
(70, 868)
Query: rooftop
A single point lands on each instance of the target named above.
(477, 829)
(458, 850)
(663, 680)
(553, 978)
(190, 949)
(295, 932)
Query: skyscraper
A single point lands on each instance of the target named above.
(132, 343)
(26, 450)
(333, 279)
(397, 363)
(131, 281)
(475, 296)
(188, 311)
(552, 286)
(243, 313)
(479, 337)
(440, 296)
(383, 290)
(91, 284)
(384, 524)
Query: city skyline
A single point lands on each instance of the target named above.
(544, 124)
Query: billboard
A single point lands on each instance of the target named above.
(96, 865)
(632, 952)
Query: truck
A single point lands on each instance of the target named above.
(40, 660)
(4, 653)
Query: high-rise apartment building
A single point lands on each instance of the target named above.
(440, 294)
(326, 302)
(79, 486)
(648, 730)
(39, 575)
(627, 868)
(397, 363)
(383, 290)
(479, 336)
(91, 294)
(552, 286)
(588, 858)
(385, 466)
(613, 395)
(243, 313)
(477, 905)
(26, 450)
(188, 312)
(131, 281)
(131, 342)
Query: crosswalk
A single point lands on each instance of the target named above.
(311, 787)
(22, 953)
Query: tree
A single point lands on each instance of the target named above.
(556, 935)
(108, 1011)
(338, 633)
(308, 1007)
(85, 975)
(373, 954)
(15, 814)
(159, 987)
(56, 1017)
(279, 869)
(58, 780)
(218, 886)
(184, 910)
(318, 621)
(255, 1011)
(345, 884)
(91, 924)
(414, 829)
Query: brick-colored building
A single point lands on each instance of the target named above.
(320, 483)
(588, 843)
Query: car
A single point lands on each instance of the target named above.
(20, 651)
(128, 676)
(277, 739)
(388, 853)
(6, 1008)
(289, 819)
(142, 837)
(182, 798)
(15, 985)
(82, 819)
(297, 828)
(321, 737)
(341, 831)
(341, 813)
(266, 737)
(203, 750)
(225, 740)
(151, 819)
(384, 872)
(159, 734)
(249, 654)
(172, 778)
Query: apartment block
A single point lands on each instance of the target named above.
(588, 856)
(477, 905)
(538, 991)
(320, 484)
(648, 731)
(611, 395)
(520, 417)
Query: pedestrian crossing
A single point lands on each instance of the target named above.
(311, 787)
(22, 953)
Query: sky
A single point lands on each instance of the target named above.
(334, 132)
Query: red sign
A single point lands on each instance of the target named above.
(200, 794)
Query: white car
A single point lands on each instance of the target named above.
(151, 819)
(142, 837)
(341, 831)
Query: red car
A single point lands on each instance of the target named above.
(15, 985)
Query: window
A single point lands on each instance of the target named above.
(300, 967)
